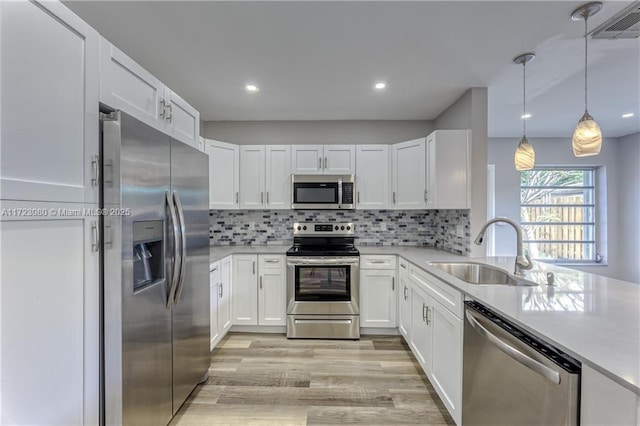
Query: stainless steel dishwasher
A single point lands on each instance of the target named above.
(513, 378)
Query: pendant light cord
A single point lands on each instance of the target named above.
(524, 99)
(585, 63)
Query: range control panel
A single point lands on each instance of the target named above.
(311, 229)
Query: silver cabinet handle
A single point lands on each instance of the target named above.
(377, 261)
(96, 237)
(267, 197)
(546, 372)
(237, 198)
(358, 197)
(214, 269)
(170, 115)
(425, 195)
(162, 108)
(272, 261)
(405, 292)
(393, 283)
(95, 170)
(325, 162)
(403, 266)
(176, 249)
(424, 312)
(427, 317)
(261, 197)
(319, 162)
(183, 255)
(221, 290)
(394, 197)
(260, 282)
(254, 268)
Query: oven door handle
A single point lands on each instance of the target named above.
(323, 261)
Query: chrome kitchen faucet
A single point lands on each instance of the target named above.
(523, 262)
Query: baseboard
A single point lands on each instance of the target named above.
(364, 331)
(258, 329)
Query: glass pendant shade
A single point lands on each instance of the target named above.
(525, 157)
(587, 137)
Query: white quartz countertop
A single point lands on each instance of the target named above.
(593, 318)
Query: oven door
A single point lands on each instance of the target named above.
(322, 285)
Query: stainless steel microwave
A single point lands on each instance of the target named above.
(323, 192)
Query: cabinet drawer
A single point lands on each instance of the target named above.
(369, 261)
(449, 297)
(271, 261)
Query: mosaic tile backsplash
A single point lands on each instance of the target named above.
(446, 229)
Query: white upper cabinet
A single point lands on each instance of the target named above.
(224, 174)
(323, 159)
(372, 177)
(448, 169)
(339, 159)
(252, 177)
(49, 110)
(182, 121)
(307, 159)
(408, 168)
(278, 176)
(126, 86)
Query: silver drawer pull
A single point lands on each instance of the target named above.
(272, 261)
(377, 261)
(322, 321)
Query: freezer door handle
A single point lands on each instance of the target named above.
(546, 372)
(183, 245)
(176, 250)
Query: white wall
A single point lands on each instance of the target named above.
(557, 152)
(629, 207)
(316, 132)
(470, 112)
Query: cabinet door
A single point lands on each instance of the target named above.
(446, 357)
(223, 175)
(408, 175)
(420, 330)
(605, 402)
(272, 294)
(50, 306)
(448, 169)
(307, 159)
(214, 282)
(224, 301)
(49, 108)
(125, 85)
(244, 299)
(182, 121)
(404, 305)
(339, 159)
(378, 299)
(278, 176)
(372, 177)
(252, 188)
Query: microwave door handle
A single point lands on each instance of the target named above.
(546, 372)
(173, 279)
(183, 235)
(339, 192)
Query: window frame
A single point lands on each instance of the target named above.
(595, 239)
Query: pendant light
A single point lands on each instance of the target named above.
(587, 137)
(524, 157)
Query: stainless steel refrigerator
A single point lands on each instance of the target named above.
(155, 228)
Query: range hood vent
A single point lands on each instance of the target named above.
(624, 25)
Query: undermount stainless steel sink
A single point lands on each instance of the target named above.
(478, 273)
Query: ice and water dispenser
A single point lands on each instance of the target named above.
(148, 262)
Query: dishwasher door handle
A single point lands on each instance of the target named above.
(548, 373)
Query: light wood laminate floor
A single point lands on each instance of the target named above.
(265, 379)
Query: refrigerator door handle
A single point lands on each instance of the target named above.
(183, 245)
(176, 251)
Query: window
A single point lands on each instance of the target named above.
(558, 214)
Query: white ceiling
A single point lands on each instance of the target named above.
(319, 60)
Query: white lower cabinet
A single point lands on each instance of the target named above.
(378, 300)
(49, 330)
(435, 337)
(259, 290)
(404, 300)
(272, 296)
(220, 288)
(605, 402)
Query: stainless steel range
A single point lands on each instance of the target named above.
(323, 282)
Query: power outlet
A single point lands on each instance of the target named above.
(383, 226)
(460, 231)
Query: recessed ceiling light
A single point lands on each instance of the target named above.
(380, 85)
(251, 88)
(525, 116)
(627, 115)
